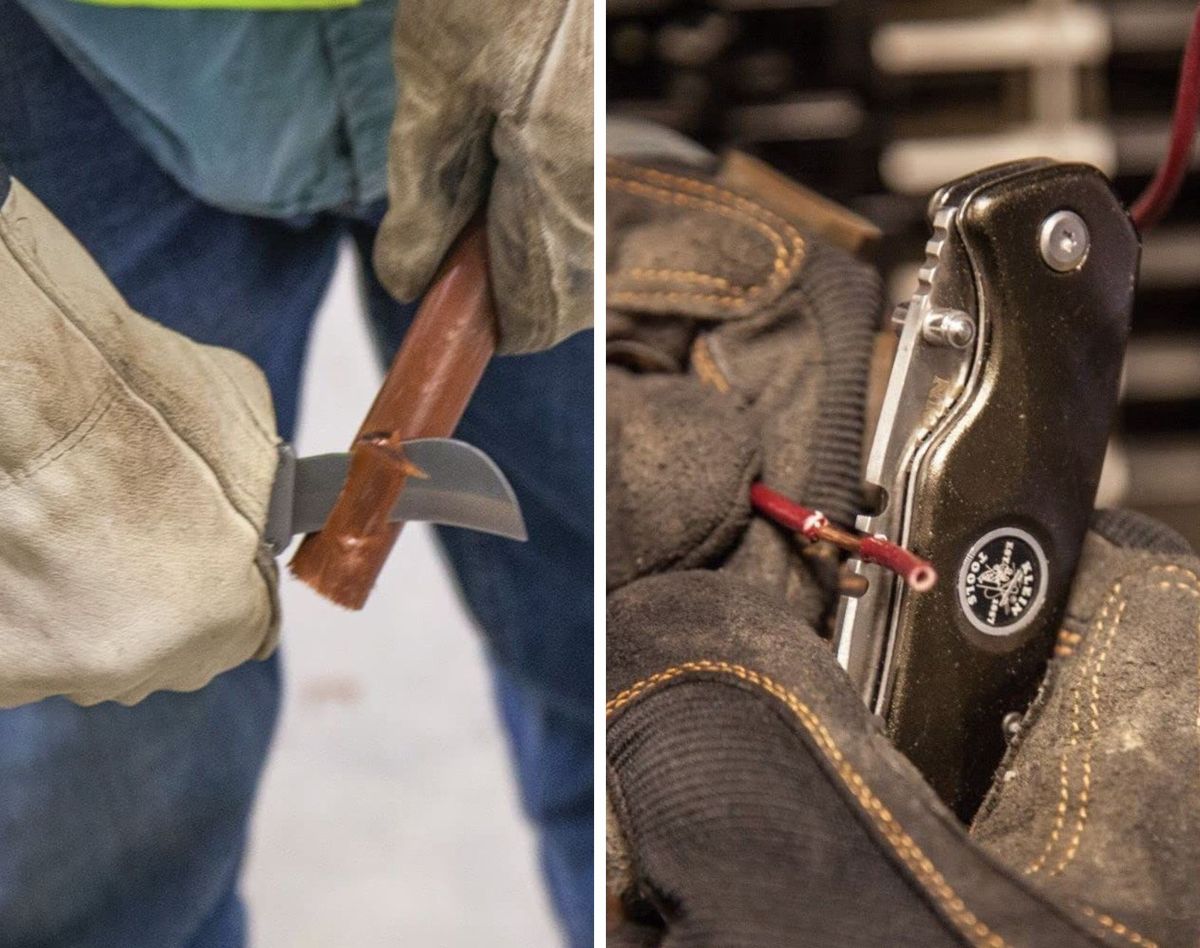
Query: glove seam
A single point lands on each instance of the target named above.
(38, 278)
(269, 437)
(545, 331)
(1114, 598)
(752, 211)
(736, 296)
(1109, 631)
(76, 435)
(1116, 927)
(817, 731)
(264, 560)
(521, 112)
(678, 190)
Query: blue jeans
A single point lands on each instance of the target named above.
(126, 826)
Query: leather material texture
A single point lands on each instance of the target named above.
(752, 798)
(495, 114)
(759, 803)
(135, 469)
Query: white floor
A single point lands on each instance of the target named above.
(388, 814)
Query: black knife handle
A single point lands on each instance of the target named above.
(1005, 490)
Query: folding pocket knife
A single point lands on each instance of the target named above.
(986, 458)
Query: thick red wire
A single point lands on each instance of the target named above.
(1160, 193)
(773, 505)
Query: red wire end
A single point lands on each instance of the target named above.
(918, 573)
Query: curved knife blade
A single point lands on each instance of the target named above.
(462, 487)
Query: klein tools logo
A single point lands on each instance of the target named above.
(1002, 583)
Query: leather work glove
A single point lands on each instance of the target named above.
(135, 472)
(752, 798)
(495, 113)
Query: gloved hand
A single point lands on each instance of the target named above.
(135, 472)
(754, 801)
(738, 348)
(752, 798)
(495, 112)
(1095, 801)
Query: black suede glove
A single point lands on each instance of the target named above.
(738, 348)
(755, 802)
(1095, 802)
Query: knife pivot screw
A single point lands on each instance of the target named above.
(948, 327)
(1064, 241)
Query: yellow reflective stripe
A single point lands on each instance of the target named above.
(227, 4)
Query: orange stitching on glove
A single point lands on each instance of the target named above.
(1064, 783)
(674, 189)
(1082, 807)
(752, 209)
(1067, 640)
(695, 276)
(1081, 814)
(1118, 928)
(676, 181)
(786, 260)
(706, 367)
(784, 253)
(967, 922)
(1064, 762)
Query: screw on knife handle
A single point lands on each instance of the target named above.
(424, 394)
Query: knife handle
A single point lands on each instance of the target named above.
(426, 390)
(1001, 500)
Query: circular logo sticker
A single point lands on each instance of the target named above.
(1002, 583)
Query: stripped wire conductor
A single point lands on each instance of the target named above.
(813, 525)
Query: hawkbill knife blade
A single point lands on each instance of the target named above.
(986, 458)
(458, 486)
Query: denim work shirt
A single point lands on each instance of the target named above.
(270, 112)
